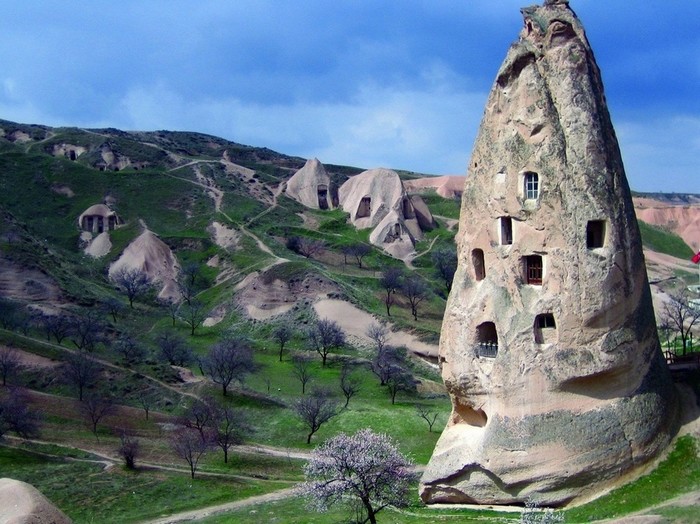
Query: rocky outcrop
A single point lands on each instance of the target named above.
(22, 503)
(311, 186)
(548, 347)
(377, 199)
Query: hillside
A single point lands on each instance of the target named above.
(210, 220)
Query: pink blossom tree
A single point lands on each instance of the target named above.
(365, 470)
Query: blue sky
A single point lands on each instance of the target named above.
(399, 84)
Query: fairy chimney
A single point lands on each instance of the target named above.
(311, 186)
(548, 348)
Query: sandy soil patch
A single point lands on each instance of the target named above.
(27, 284)
(224, 236)
(99, 246)
(30, 360)
(22, 502)
(62, 190)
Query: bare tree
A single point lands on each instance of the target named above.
(358, 251)
(379, 335)
(57, 326)
(416, 291)
(390, 282)
(349, 384)
(17, 416)
(133, 282)
(385, 361)
(309, 247)
(229, 426)
(171, 306)
(681, 315)
(80, 371)
(364, 470)
(315, 409)
(301, 368)
(129, 348)
(113, 307)
(200, 416)
(427, 414)
(129, 449)
(87, 329)
(230, 359)
(445, 262)
(145, 400)
(193, 314)
(399, 380)
(10, 363)
(173, 348)
(282, 334)
(324, 336)
(187, 445)
(94, 409)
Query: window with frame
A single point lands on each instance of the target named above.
(506, 231)
(533, 270)
(487, 340)
(532, 185)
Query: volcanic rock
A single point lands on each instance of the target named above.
(548, 348)
(311, 186)
(22, 503)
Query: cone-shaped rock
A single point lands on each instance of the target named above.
(549, 348)
(311, 186)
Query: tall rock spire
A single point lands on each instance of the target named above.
(548, 348)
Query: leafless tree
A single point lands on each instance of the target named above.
(200, 417)
(133, 282)
(187, 445)
(129, 348)
(681, 315)
(229, 426)
(391, 282)
(445, 261)
(129, 449)
(400, 379)
(10, 363)
(80, 371)
(87, 329)
(57, 326)
(171, 306)
(301, 368)
(385, 361)
(349, 384)
(427, 414)
(379, 335)
(145, 400)
(94, 409)
(324, 336)
(358, 251)
(230, 359)
(282, 334)
(306, 247)
(113, 307)
(173, 348)
(193, 314)
(416, 291)
(316, 409)
(17, 416)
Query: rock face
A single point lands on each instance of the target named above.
(549, 348)
(377, 199)
(22, 503)
(311, 186)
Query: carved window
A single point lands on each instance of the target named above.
(486, 340)
(595, 234)
(322, 196)
(365, 207)
(532, 185)
(506, 224)
(545, 328)
(478, 263)
(533, 270)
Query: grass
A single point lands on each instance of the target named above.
(663, 241)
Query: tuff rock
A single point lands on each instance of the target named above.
(548, 347)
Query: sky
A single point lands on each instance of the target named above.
(390, 83)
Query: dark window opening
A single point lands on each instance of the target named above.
(532, 185)
(322, 197)
(545, 328)
(478, 263)
(408, 211)
(365, 207)
(486, 340)
(533, 270)
(595, 234)
(506, 231)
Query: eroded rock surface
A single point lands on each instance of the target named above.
(22, 503)
(311, 186)
(548, 348)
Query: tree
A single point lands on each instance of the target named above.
(301, 368)
(10, 364)
(128, 347)
(80, 371)
(173, 349)
(58, 326)
(385, 361)
(133, 282)
(427, 414)
(399, 379)
(364, 470)
(390, 282)
(129, 449)
(95, 408)
(379, 334)
(305, 246)
(349, 384)
(324, 336)
(229, 360)
(359, 251)
(416, 291)
(200, 416)
(145, 400)
(17, 416)
(315, 409)
(171, 306)
(187, 445)
(445, 262)
(229, 426)
(86, 329)
(187, 282)
(681, 315)
(193, 314)
(113, 307)
(282, 334)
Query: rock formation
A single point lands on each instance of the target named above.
(95, 224)
(548, 348)
(311, 186)
(377, 199)
(22, 503)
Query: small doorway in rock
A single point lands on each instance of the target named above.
(365, 207)
(478, 263)
(595, 234)
(545, 328)
(322, 191)
(487, 340)
(506, 231)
